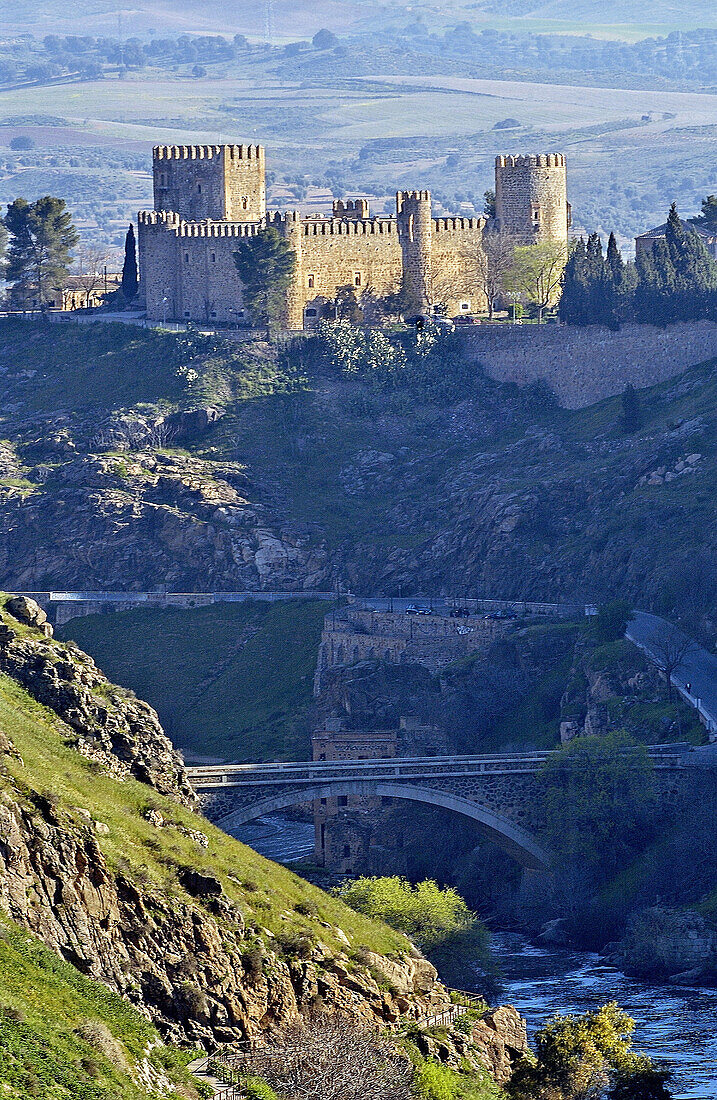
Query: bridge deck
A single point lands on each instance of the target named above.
(419, 767)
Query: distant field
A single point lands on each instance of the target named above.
(231, 681)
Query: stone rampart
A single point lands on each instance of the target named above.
(585, 365)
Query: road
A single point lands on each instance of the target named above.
(698, 667)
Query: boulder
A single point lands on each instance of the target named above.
(553, 933)
(26, 611)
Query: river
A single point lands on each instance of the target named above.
(676, 1025)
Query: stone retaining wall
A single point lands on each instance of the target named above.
(585, 365)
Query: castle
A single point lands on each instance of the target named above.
(206, 197)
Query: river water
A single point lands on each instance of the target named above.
(676, 1025)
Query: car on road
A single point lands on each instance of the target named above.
(412, 609)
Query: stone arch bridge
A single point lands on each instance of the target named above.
(499, 792)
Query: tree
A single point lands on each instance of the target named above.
(496, 260)
(611, 621)
(324, 1059)
(41, 238)
(265, 264)
(631, 419)
(489, 203)
(22, 143)
(583, 1058)
(708, 217)
(324, 40)
(92, 263)
(598, 803)
(425, 912)
(130, 277)
(537, 272)
(668, 647)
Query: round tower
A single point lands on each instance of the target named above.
(415, 229)
(531, 198)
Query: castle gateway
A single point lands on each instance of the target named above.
(208, 196)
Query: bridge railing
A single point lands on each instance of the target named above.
(392, 768)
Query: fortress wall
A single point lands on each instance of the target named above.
(335, 258)
(158, 269)
(585, 365)
(210, 288)
(456, 249)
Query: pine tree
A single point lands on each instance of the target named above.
(41, 237)
(130, 278)
(265, 264)
(572, 309)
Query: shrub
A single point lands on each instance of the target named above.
(435, 1082)
(427, 913)
(295, 945)
(257, 1089)
(307, 908)
(97, 1035)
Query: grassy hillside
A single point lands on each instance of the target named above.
(63, 1035)
(265, 892)
(231, 680)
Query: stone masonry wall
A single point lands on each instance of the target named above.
(585, 365)
(531, 197)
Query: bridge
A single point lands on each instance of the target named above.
(499, 792)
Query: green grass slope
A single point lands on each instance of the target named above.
(66, 1037)
(266, 893)
(231, 681)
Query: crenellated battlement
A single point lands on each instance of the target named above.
(208, 152)
(530, 160)
(351, 208)
(334, 227)
(450, 225)
(168, 221)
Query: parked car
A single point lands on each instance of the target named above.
(466, 319)
(460, 613)
(412, 609)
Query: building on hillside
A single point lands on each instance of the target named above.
(76, 292)
(646, 241)
(207, 197)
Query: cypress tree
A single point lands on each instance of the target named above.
(572, 309)
(130, 278)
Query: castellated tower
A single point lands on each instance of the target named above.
(531, 201)
(415, 232)
(211, 182)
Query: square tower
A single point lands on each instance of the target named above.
(211, 182)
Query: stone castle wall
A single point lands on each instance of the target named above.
(585, 365)
(206, 196)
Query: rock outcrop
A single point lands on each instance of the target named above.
(661, 942)
(111, 726)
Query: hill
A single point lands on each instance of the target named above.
(127, 920)
(222, 678)
(116, 476)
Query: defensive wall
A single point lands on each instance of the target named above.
(585, 365)
(432, 641)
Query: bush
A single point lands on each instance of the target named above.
(432, 916)
(97, 1035)
(256, 1089)
(295, 945)
(435, 1082)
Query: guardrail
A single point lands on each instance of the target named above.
(419, 767)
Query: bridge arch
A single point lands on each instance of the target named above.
(518, 842)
